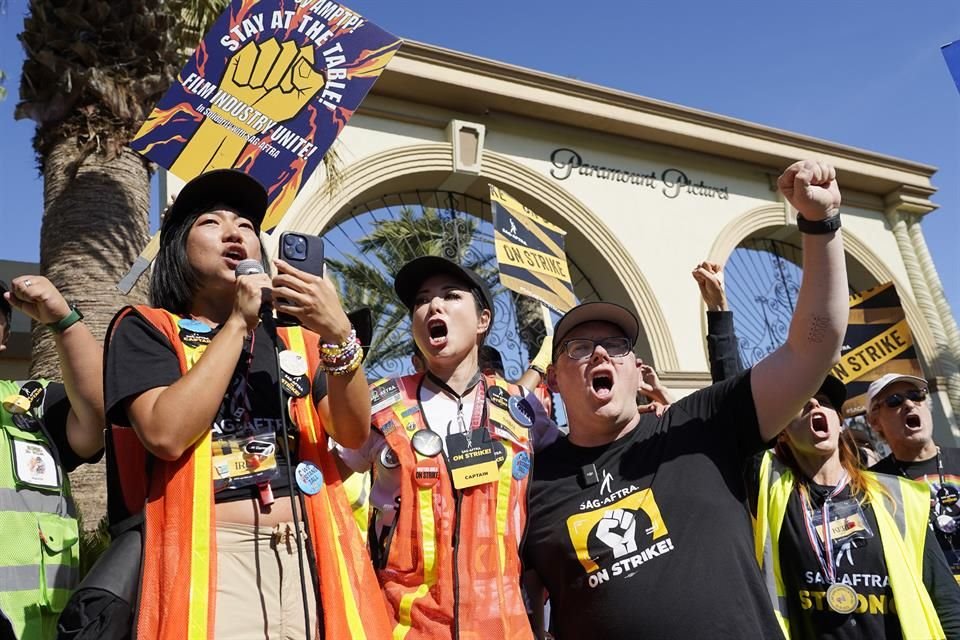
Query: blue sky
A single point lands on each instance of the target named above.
(866, 74)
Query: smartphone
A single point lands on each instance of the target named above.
(303, 252)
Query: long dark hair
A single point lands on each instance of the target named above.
(174, 281)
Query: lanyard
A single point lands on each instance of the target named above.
(478, 403)
(823, 552)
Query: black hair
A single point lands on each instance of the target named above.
(5, 309)
(479, 303)
(174, 282)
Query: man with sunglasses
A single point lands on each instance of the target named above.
(637, 523)
(898, 409)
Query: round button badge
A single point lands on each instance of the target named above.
(426, 474)
(521, 412)
(195, 326)
(498, 397)
(499, 452)
(389, 458)
(293, 363)
(521, 465)
(427, 443)
(309, 478)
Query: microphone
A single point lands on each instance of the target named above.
(248, 267)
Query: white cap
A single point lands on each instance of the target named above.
(888, 379)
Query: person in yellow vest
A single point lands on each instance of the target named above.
(451, 451)
(46, 429)
(846, 553)
(197, 441)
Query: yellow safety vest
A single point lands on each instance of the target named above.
(902, 534)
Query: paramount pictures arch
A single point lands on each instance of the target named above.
(645, 190)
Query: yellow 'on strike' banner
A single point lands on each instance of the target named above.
(878, 341)
(530, 253)
(878, 351)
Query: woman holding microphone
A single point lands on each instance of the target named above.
(198, 444)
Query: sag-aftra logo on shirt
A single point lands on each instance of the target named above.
(618, 533)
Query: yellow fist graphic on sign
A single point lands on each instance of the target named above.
(263, 84)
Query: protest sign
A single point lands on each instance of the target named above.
(951, 53)
(267, 91)
(530, 252)
(878, 341)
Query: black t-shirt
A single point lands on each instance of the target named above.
(140, 358)
(56, 407)
(658, 544)
(945, 509)
(859, 563)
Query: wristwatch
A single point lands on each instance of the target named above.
(818, 227)
(67, 321)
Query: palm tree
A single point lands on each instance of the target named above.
(365, 277)
(93, 69)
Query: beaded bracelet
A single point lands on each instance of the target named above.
(341, 358)
(349, 367)
(334, 348)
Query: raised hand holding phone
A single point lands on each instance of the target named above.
(303, 294)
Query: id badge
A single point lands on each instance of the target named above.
(240, 462)
(34, 464)
(847, 522)
(471, 464)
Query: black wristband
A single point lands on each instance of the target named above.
(818, 227)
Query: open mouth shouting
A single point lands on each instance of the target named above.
(819, 424)
(912, 422)
(601, 381)
(437, 329)
(234, 254)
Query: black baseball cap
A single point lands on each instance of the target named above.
(835, 390)
(596, 312)
(230, 187)
(413, 274)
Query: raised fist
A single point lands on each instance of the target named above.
(618, 530)
(811, 187)
(709, 277)
(276, 80)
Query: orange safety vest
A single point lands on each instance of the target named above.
(178, 578)
(451, 561)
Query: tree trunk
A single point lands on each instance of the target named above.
(95, 222)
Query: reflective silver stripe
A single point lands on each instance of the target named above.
(892, 484)
(27, 577)
(32, 501)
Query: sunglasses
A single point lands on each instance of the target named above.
(580, 348)
(894, 400)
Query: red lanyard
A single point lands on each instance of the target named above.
(823, 552)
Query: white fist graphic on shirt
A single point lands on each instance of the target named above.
(618, 530)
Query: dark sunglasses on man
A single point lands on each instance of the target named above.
(894, 400)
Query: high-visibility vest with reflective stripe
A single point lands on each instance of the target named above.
(903, 532)
(178, 580)
(452, 564)
(39, 555)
